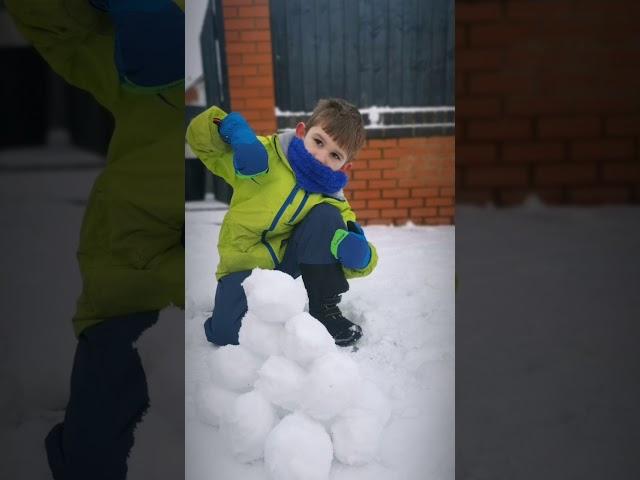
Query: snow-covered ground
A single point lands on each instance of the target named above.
(406, 309)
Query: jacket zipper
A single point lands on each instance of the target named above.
(275, 221)
(299, 209)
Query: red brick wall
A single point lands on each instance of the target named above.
(547, 101)
(392, 181)
(400, 179)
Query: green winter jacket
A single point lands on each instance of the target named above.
(130, 254)
(265, 209)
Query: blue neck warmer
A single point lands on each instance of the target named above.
(313, 176)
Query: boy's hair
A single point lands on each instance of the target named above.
(342, 121)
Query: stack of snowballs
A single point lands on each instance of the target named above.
(286, 393)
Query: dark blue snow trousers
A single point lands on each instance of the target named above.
(108, 397)
(310, 243)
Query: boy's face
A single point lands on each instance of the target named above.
(319, 144)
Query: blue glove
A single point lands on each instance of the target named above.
(249, 155)
(351, 247)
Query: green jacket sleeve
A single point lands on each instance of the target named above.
(208, 146)
(349, 216)
(75, 39)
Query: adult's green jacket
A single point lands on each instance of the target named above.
(130, 253)
(264, 209)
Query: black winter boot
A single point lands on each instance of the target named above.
(324, 284)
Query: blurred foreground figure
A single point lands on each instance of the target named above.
(130, 56)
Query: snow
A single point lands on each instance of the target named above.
(281, 380)
(342, 414)
(298, 448)
(331, 385)
(305, 339)
(233, 367)
(273, 297)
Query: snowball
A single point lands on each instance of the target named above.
(370, 398)
(260, 337)
(273, 296)
(306, 339)
(331, 386)
(233, 367)
(214, 404)
(298, 449)
(251, 420)
(356, 437)
(281, 381)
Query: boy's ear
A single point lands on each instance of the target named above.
(300, 130)
(346, 167)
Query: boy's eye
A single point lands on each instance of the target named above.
(318, 142)
(335, 156)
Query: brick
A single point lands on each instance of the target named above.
(367, 153)
(265, 70)
(382, 183)
(447, 192)
(242, 71)
(264, 127)
(461, 86)
(262, 24)
(500, 34)
(382, 143)
(477, 12)
(239, 24)
(500, 129)
(502, 83)
(622, 172)
(569, 127)
(387, 203)
(439, 202)
(472, 154)
(368, 214)
(533, 152)
(357, 204)
(611, 149)
(379, 221)
(539, 11)
(599, 195)
(395, 193)
(479, 59)
(256, 59)
(356, 185)
(412, 182)
(239, 47)
(623, 125)
(261, 81)
(256, 36)
(264, 47)
(446, 211)
(234, 59)
(367, 174)
(496, 176)
(424, 212)
(383, 164)
(238, 2)
(565, 174)
(255, 11)
(366, 194)
(563, 104)
(410, 202)
(461, 37)
(424, 192)
(438, 221)
(394, 212)
(467, 107)
(262, 103)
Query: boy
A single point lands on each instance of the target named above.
(287, 212)
(129, 55)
